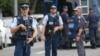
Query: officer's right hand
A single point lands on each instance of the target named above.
(43, 38)
(56, 29)
(22, 27)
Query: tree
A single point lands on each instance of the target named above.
(33, 5)
(8, 6)
(20, 1)
(39, 7)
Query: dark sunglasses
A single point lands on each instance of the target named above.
(24, 8)
(53, 8)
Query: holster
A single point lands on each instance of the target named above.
(14, 39)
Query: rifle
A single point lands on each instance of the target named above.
(52, 31)
(28, 34)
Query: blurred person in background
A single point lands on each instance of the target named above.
(92, 23)
(79, 29)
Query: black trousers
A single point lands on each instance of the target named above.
(92, 33)
(65, 41)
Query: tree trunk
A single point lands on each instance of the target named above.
(33, 5)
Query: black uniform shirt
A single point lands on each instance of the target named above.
(93, 20)
(65, 17)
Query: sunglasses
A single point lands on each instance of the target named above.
(53, 8)
(24, 8)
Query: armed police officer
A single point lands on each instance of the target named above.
(92, 23)
(23, 28)
(52, 23)
(79, 26)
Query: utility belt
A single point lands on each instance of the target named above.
(15, 39)
(22, 36)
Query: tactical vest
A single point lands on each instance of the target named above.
(51, 24)
(21, 34)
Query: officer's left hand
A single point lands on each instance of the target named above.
(77, 39)
(29, 40)
(56, 29)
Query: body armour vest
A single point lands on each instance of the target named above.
(28, 23)
(51, 24)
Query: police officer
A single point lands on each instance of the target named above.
(65, 43)
(92, 23)
(18, 25)
(52, 23)
(79, 31)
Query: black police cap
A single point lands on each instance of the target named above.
(24, 5)
(53, 7)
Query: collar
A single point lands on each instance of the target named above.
(25, 17)
(53, 15)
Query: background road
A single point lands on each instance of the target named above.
(38, 50)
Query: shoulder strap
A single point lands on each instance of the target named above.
(48, 15)
(30, 19)
(57, 16)
(19, 19)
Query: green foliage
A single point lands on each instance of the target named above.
(20, 1)
(7, 6)
(39, 7)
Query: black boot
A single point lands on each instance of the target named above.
(93, 46)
